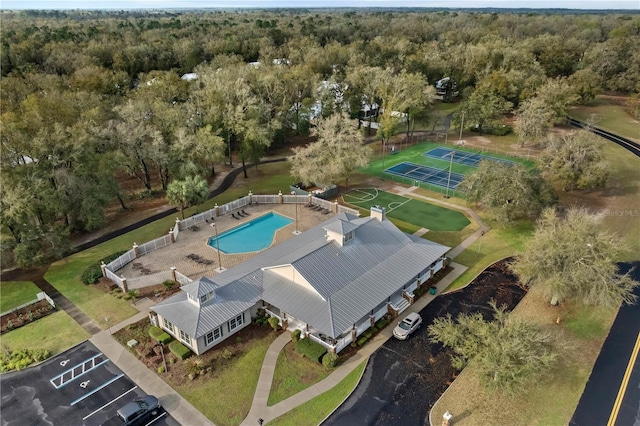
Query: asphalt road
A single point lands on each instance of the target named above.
(607, 378)
(77, 387)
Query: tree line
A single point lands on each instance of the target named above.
(89, 97)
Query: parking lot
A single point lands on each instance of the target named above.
(78, 387)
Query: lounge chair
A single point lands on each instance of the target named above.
(245, 213)
(233, 215)
(326, 211)
(240, 214)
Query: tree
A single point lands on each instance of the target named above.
(509, 192)
(576, 161)
(506, 352)
(533, 120)
(188, 192)
(484, 105)
(337, 153)
(573, 257)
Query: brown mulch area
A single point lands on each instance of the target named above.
(178, 371)
(25, 315)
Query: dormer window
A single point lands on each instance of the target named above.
(347, 237)
(192, 298)
(206, 297)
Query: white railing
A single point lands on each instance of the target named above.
(319, 340)
(197, 218)
(323, 203)
(113, 277)
(349, 210)
(163, 241)
(120, 262)
(176, 231)
(295, 199)
(266, 199)
(182, 278)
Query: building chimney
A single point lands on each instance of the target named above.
(378, 212)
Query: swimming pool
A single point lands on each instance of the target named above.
(254, 235)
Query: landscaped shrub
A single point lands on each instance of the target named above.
(93, 273)
(179, 350)
(295, 335)
(161, 369)
(17, 360)
(310, 349)
(361, 340)
(159, 335)
(382, 323)
(195, 365)
(330, 360)
(169, 284)
(274, 323)
(227, 354)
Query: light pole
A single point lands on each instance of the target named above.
(220, 268)
(449, 178)
(296, 232)
(480, 245)
(461, 127)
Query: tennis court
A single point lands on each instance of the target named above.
(410, 210)
(426, 174)
(462, 157)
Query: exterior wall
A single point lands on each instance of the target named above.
(198, 345)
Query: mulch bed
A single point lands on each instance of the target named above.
(23, 316)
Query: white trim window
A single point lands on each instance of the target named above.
(235, 322)
(212, 336)
(167, 325)
(185, 337)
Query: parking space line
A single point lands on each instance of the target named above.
(104, 385)
(109, 403)
(157, 418)
(74, 376)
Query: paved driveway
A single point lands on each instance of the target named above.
(78, 387)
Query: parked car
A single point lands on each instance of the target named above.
(136, 412)
(407, 326)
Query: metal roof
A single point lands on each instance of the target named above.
(199, 288)
(347, 282)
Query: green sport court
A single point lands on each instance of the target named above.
(410, 210)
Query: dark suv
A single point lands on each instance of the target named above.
(136, 412)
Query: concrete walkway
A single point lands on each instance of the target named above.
(146, 379)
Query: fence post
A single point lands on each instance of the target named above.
(216, 210)
(103, 268)
(173, 274)
(178, 222)
(173, 237)
(250, 197)
(280, 197)
(335, 206)
(125, 288)
(135, 250)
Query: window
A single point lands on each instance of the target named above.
(206, 297)
(212, 336)
(236, 322)
(185, 337)
(167, 324)
(348, 236)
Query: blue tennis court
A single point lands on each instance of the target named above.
(462, 157)
(426, 174)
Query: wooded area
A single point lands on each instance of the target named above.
(91, 96)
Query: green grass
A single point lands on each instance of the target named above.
(294, 373)
(500, 242)
(56, 332)
(226, 398)
(586, 322)
(409, 210)
(608, 115)
(314, 411)
(16, 293)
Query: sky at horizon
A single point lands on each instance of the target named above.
(186, 4)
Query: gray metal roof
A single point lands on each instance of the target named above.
(199, 288)
(348, 281)
(341, 226)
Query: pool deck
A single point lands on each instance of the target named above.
(153, 268)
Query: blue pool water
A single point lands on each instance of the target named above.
(254, 235)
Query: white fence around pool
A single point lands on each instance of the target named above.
(208, 216)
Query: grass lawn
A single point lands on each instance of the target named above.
(226, 398)
(500, 242)
(314, 411)
(609, 115)
(16, 293)
(408, 210)
(294, 373)
(40, 334)
(552, 399)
